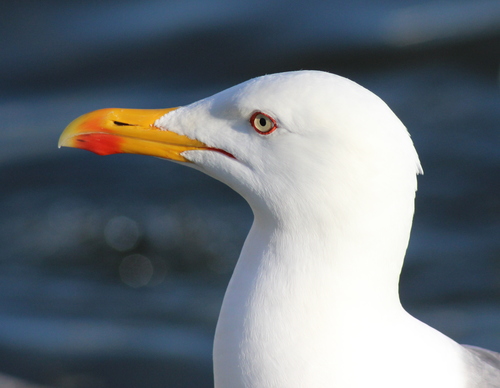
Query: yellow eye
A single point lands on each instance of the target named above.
(263, 123)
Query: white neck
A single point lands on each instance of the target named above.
(315, 291)
(307, 298)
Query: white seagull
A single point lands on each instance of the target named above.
(330, 174)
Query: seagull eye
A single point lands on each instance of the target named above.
(262, 123)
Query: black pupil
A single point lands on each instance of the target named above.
(262, 122)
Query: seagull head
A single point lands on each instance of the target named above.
(282, 140)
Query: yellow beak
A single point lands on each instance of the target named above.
(132, 131)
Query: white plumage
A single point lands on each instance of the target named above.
(313, 300)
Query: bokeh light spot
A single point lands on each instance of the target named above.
(122, 233)
(136, 270)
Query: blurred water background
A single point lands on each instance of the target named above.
(112, 269)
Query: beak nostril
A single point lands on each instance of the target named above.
(121, 124)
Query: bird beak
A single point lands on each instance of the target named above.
(132, 131)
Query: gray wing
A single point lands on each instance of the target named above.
(484, 366)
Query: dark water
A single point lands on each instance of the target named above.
(112, 269)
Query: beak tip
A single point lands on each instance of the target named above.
(65, 139)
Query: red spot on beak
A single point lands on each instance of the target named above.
(99, 143)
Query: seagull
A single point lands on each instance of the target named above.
(330, 174)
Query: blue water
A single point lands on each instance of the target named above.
(112, 270)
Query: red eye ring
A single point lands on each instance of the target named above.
(262, 123)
